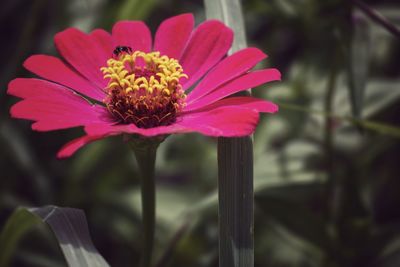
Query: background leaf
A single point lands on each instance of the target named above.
(69, 227)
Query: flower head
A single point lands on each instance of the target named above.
(120, 83)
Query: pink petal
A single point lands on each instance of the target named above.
(108, 128)
(256, 104)
(228, 121)
(53, 116)
(228, 69)
(244, 82)
(220, 121)
(84, 53)
(53, 106)
(104, 39)
(172, 35)
(53, 69)
(71, 147)
(207, 45)
(134, 34)
(33, 87)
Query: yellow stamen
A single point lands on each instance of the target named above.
(144, 88)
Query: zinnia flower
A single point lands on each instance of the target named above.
(122, 83)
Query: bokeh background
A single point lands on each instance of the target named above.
(326, 175)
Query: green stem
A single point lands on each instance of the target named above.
(332, 186)
(328, 120)
(146, 158)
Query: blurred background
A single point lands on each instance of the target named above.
(327, 168)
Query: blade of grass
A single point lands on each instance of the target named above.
(235, 166)
(378, 18)
(69, 227)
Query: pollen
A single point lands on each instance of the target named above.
(143, 88)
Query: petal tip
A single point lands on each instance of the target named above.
(62, 154)
(12, 112)
(67, 30)
(258, 52)
(17, 111)
(12, 87)
(188, 16)
(35, 60)
(278, 75)
(36, 127)
(274, 108)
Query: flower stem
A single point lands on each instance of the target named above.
(146, 157)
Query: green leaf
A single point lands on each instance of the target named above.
(69, 227)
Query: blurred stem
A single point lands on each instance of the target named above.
(335, 183)
(378, 18)
(145, 152)
(333, 187)
(328, 109)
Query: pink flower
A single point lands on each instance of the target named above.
(121, 83)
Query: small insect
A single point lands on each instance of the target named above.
(122, 49)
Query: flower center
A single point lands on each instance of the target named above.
(143, 88)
